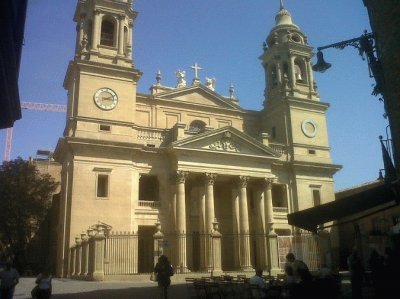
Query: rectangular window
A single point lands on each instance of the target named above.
(311, 152)
(316, 197)
(102, 185)
(105, 128)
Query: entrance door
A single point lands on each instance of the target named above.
(146, 249)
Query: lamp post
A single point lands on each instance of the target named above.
(365, 44)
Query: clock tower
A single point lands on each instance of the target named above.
(101, 80)
(293, 113)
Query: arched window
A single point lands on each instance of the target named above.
(107, 33)
(299, 71)
(272, 75)
(197, 126)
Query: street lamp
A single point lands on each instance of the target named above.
(365, 44)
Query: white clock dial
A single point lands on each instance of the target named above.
(309, 127)
(106, 98)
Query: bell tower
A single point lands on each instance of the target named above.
(101, 79)
(293, 113)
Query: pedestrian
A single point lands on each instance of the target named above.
(356, 274)
(9, 279)
(296, 265)
(163, 271)
(44, 285)
(260, 282)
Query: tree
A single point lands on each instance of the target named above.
(25, 199)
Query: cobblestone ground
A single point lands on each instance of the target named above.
(73, 289)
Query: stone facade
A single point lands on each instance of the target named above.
(185, 166)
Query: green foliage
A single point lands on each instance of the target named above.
(25, 197)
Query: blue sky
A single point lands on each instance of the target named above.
(225, 37)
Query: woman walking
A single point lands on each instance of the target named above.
(163, 271)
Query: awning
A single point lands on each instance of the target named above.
(310, 219)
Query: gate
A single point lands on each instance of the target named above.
(304, 247)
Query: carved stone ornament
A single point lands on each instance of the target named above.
(268, 182)
(181, 176)
(210, 178)
(243, 181)
(225, 144)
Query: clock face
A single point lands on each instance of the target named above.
(309, 127)
(106, 98)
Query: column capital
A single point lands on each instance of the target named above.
(181, 176)
(121, 16)
(96, 12)
(268, 182)
(210, 178)
(243, 181)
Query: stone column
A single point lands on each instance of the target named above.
(96, 29)
(245, 261)
(261, 230)
(129, 41)
(181, 220)
(292, 75)
(210, 212)
(72, 256)
(79, 41)
(210, 217)
(85, 255)
(269, 210)
(236, 227)
(121, 19)
(271, 236)
(78, 256)
(203, 229)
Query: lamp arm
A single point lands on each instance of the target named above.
(363, 43)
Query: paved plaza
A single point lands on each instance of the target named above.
(142, 288)
(74, 289)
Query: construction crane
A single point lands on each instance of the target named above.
(30, 106)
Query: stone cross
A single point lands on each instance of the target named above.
(196, 68)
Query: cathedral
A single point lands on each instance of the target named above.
(183, 170)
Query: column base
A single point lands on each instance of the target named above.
(97, 276)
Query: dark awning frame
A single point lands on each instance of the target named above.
(311, 219)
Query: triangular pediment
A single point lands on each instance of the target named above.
(198, 95)
(225, 140)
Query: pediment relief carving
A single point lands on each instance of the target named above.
(225, 144)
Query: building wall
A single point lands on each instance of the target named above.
(385, 24)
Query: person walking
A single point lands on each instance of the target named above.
(356, 274)
(163, 271)
(9, 279)
(44, 286)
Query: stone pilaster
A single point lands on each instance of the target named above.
(96, 30)
(273, 254)
(216, 249)
(96, 257)
(121, 19)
